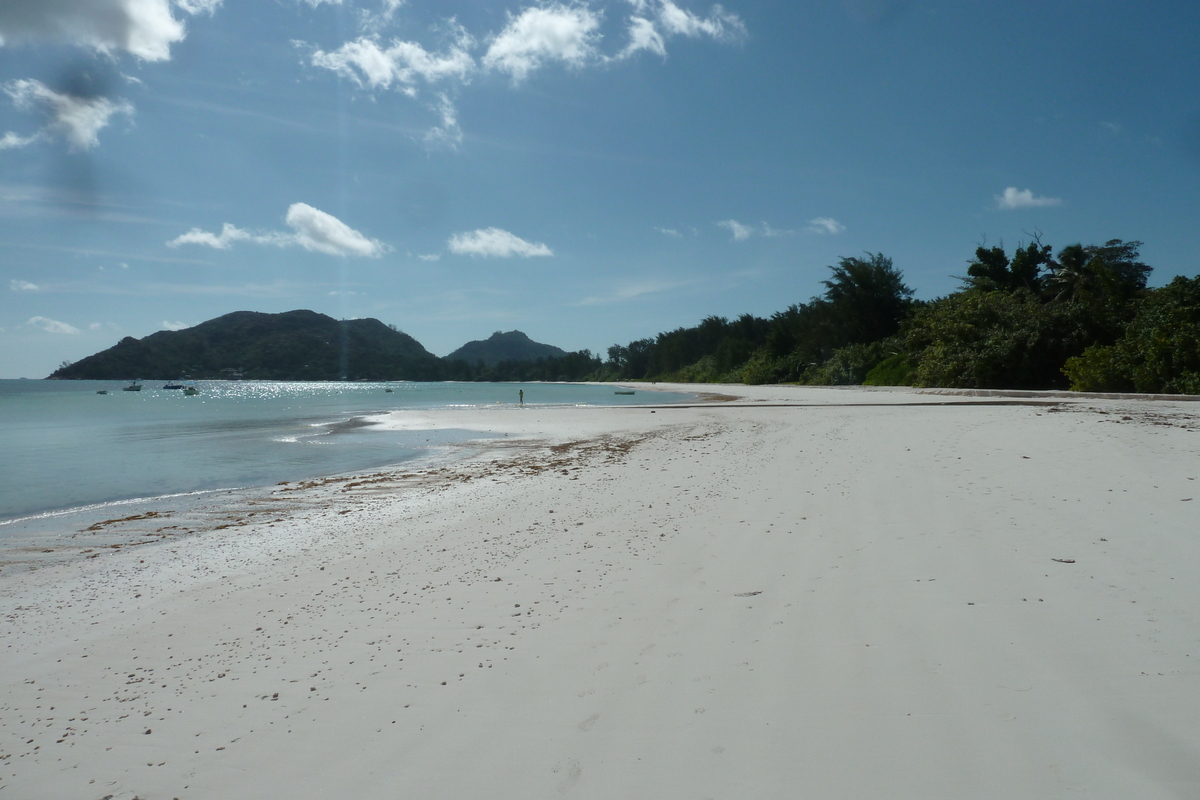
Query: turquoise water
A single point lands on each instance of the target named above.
(64, 446)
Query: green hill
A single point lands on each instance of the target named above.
(294, 345)
(499, 347)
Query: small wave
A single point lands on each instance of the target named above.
(344, 426)
(64, 512)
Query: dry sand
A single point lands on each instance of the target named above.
(809, 593)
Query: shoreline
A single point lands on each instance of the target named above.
(72, 450)
(51, 536)
(808, 592)
(36, 538)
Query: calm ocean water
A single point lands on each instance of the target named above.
(63, 446)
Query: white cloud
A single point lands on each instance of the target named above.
(674, 234)
(740, 232)
(313, 229)
(22, 286)
(368, 63)
(554, 32)
(405, 65)
(359, 60)
(644, 36)
(374, 20)
(1013, 199)
(171, 326)
(325, 233)
(143, 28)
(448, 134)
(430, 257)
(494, 242)
(51, 325)
(221, 241)
(826, 225)
(11, 140)
(719, 24)
(79, 119)
(671, 20)
(564, 32)
(199, 6)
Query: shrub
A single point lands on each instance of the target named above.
(895, 370)
(1160, 351)
(761, 368)
(991, 340)
(848, 365)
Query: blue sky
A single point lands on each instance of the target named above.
(587, 172)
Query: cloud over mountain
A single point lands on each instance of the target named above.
(51, 325)
(312, 229)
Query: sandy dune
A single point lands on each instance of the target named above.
(806, 593)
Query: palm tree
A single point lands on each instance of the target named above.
(1072, 276)
(1110, 271)
(868, 297)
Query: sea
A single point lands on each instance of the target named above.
(83, 446)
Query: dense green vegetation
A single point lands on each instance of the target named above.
(1081, 318)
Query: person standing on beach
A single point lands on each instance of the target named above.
(522, 397)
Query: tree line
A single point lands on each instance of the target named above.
(1081, 318)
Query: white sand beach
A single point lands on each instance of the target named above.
(804, 593)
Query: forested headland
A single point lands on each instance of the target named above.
(1080, 318)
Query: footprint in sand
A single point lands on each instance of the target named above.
(574, 773)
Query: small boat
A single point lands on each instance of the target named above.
(133, 386)
(625, 392)
(175, 385)
(102, 391)
(190, 390)
(388, 390)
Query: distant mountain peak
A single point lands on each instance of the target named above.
(292, 345)
(503, 346)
